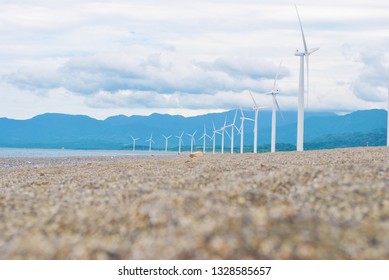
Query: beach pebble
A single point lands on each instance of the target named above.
(328, 204)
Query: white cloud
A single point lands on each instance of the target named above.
(110, 55)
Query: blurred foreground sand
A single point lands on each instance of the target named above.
(331, 204)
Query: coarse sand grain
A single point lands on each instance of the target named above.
(328, 204)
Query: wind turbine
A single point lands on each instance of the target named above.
(180, 142)
(223, 129)
(256, 109)
(204, 136)
(242, 118)
(133, 143)
(300, 114)
(214, 138)
(276, 107)
(166, 141)
(233, 127)
(150, 140)
(192, 140)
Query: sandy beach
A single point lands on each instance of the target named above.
(331, 204)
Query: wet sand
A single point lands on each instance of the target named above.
(331, 204)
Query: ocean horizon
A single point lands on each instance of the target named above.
(42, 153)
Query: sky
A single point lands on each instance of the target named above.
(137, 57)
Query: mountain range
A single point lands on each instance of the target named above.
(322, 130)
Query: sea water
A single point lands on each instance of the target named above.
(33, 153)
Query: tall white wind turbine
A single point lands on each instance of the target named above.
(180, 142)
(192, 140)
(204, 137)
(256, 109)
(275, 107)
(300, 114)
(150, 140)
(166, 141)
(133, 143)
(242, 118)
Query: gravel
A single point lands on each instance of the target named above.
(329, 204)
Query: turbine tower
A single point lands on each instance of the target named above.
(242, 118)
(300, 114)
(150, 140)
(256, 109)
(166, 141)
(275, 107)
(133, 143)
(192, 140)
(180, 142)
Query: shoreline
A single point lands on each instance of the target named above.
(324, 204)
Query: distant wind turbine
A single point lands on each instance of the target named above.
(233, 127)
(133, 143)
(256, 109)
(300, 115)
(180, 142)
(192, 140)
(166, 141)
(214, 138)
(242, 118)
(223, 130)
(276, 107)
(204, 137)
(150, 140)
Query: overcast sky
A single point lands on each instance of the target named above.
(103, 58)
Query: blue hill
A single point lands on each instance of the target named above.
(322, 130)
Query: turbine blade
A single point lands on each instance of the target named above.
(275, 79)
(255, 103)
(302, 31)
(275, 101)
(229, 136)
(278, 107)
(313, 50)
(236, 112)
(241, 111)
